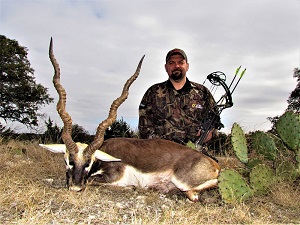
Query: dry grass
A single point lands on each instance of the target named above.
(32, 191)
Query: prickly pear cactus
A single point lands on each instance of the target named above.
(191, 145)
(233, 187)
(286, 171)
(253, 162)
(264, 145)
(261, 177)
(298, 158)
(288, 128)
(239, 143)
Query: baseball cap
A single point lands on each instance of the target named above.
(174, 52)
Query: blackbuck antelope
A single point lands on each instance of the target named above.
(148, 163)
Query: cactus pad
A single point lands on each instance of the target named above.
(232, 187)
(239, 143)
(288, 127)
(264, 145)
(253, 162)
(261, 177)
(191, 145)
(287, 171)
(298, 157)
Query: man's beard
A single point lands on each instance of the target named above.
(176, 75)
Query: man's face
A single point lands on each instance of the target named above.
(176, 67)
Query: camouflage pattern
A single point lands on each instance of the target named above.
(174, 115)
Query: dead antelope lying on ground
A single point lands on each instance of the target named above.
(148, 163)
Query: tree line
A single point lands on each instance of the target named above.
(22, 98)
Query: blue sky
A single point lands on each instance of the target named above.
(99, 43)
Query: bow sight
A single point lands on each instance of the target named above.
(212, 116)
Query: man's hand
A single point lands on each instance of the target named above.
(209, 135)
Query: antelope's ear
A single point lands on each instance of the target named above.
(105, 157)
(56, 148)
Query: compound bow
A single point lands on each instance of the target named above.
(212, 118)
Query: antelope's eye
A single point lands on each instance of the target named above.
(71, 164)
(87, 165)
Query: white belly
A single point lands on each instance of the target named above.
(157, 180)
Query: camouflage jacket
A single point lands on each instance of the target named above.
(172, 114)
